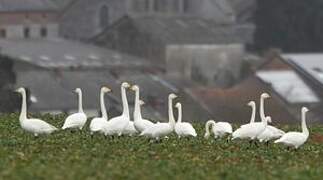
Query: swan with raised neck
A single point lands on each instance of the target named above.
(139, 123)
(183, 129)
(76, 120)
(160, 130)
(118, 125)
(296, 139)
(35, 126)
(97, 124)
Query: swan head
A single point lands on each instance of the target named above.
(135, 88)
(178, 105)
(125, 85)
(78, 90)
(172, 96)
(251, 103)
(265, 95)
(305, 109)
(20, 90)
(105, 89)
(268, 119)
(141, 102)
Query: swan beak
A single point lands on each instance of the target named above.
(132, 88)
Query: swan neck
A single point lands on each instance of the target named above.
(170, 112)
(304, 126)
(207, 126)
(80, 106)
(253, 113)
(137, 110)
(124, 102)
(102, 105)
(23, 113)
(262, 108)
(179, 111)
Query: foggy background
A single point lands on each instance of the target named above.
(215, 54)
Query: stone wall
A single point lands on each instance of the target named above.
(81, 20)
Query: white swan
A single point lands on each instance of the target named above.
(98, 123)
(35, 126)
(251, 130)
(118, 124)
(219, 129)
(160, 130)
(76, 120)
(140, 123)
(130, 129)
(270, 132)
(296, 139)
(183, 129)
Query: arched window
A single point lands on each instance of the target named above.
(104, 16)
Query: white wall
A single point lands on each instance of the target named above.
(17, 31)
(212, 61)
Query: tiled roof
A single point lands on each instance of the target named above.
(58, 53)
(183, 30)
(26, 5)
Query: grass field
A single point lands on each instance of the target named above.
(66, 155)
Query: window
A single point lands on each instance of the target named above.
(3, 33)
(26, 32)
(104, 16)
(43, 32)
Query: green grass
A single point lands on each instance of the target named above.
(66, 155)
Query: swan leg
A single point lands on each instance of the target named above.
(267, 143)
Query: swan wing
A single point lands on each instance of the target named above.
(223, 127)
(97, 124)
(39, 126)
(118, 123)
(275, 130)
(130, 129)
(184, 129)
(292, 139)
(76, 120)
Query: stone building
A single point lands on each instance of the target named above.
(83, 19)
(28, 19)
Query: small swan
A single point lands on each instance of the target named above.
(296, 139)
(183, 129)
(251, 130)
(270, 132)
(160, 130)
(76, 120)
(99, 122)
(34, 126)
(117, 125)
(219, 129)
(140, 123)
